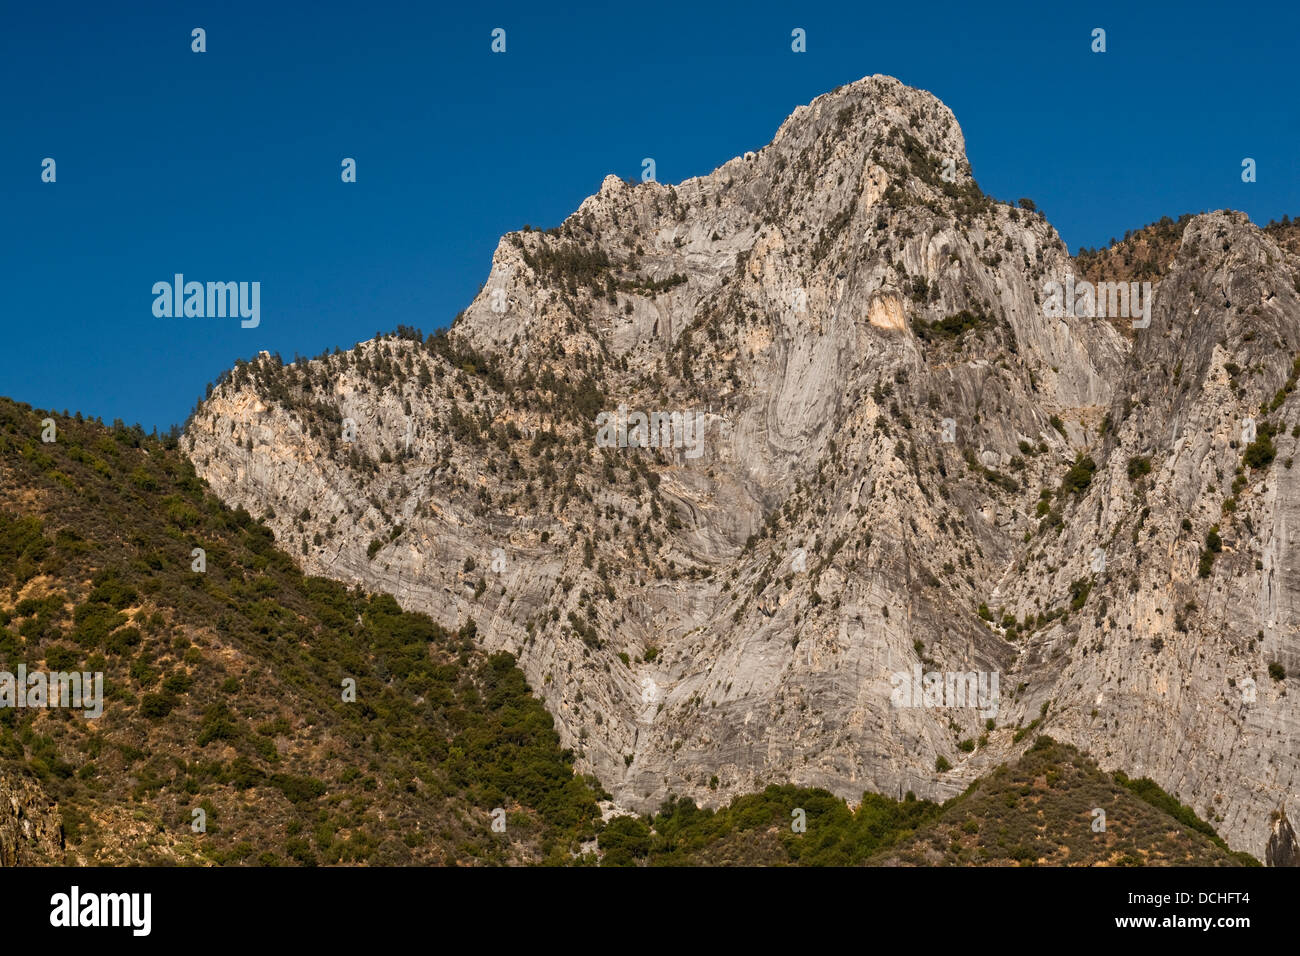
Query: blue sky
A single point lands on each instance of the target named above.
(225, 165)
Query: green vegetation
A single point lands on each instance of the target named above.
(968, 201)
(1079, 591)
(1005, 482)
(1079, 477)
(1139, 467)
(1144, 253)
(756, 829)
(1149, 791)
(1261, 452)
(954, 326)
(223, 691)
(568, 265)
(95, 574)
(653, 286)
(1213, 545)
(1040, 810)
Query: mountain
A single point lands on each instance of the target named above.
(222, 695)
(898, 451)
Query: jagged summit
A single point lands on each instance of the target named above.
(890, 457)
(843, 178)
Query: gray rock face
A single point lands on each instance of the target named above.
(904, 464)
(1283, 849)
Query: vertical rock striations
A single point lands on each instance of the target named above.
(890, 457)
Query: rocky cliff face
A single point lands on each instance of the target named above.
(30, 832)
(1283, 849)
(891, 456)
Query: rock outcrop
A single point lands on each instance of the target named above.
(890, 457)
(1283, 849)
(30, 832)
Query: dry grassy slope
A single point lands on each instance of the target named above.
(1053, 806)
(1143, 254)
(1042, 810)
(826, 303)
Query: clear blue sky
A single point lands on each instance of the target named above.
(225, 165)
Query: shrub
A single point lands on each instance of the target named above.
(297, 789)
(1138, 466)
(1261, 452)
(624, 841)
(953, 326)
(60, 657)
(1206, 564)
(157, 706)
(1079, 476)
